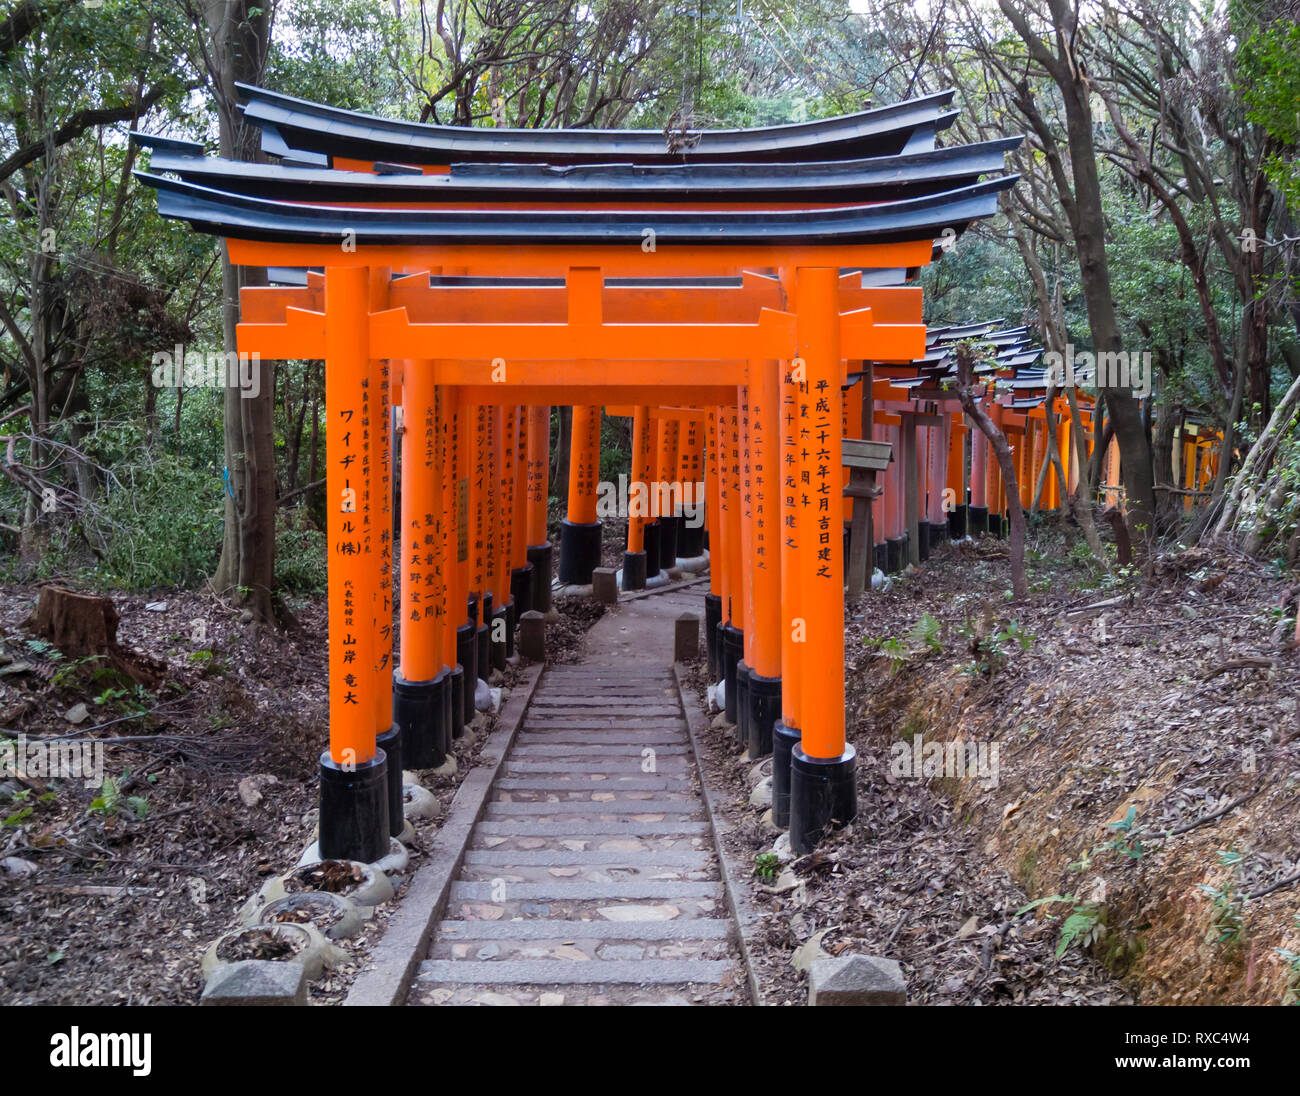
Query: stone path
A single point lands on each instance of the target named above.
(592, 877)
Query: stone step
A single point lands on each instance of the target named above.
(544, 972)
(607, 736)
(645, 861)
(529, 751)
(625, 809)
(583, 909)
(564, 891)
(566, 842)
(673, 766)
(642, 712)
(598, 796)
(617, 700)
(697, 928)
(594, 782)
(590, 873)
(576, 830)
(577, 950)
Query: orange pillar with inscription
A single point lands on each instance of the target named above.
(354, 821)
(539, 494)
(638, 501)
(763, 516)
(822, 789)
(712, 510)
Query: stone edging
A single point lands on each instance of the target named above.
(746, 917)
(668, 589)
(392, 966)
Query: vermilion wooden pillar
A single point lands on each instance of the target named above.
(521, 570)
(418, 705)
(690, 472)
(539, 472)
(733, 607)
(634, 559)
(794, 628)
(822, 788)
(712, 511)
(763, 516)
(354, 820)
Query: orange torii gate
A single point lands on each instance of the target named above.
(476, 296)
(456, 369)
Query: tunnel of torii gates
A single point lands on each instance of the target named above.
(740, 295)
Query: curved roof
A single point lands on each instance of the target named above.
(848, 181)
(317, 128)
(239, 216)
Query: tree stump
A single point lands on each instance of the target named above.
(77, 624)
(83, 625)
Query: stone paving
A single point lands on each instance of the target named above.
(592, 878)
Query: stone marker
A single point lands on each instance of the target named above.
(856, 980)
(604, 585)
(686, 638)
(532, 636)
(257, 982)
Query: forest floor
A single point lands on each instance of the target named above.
(113, 899)
(1147, 773)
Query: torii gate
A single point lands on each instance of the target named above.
(766, 358)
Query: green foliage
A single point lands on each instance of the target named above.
(928, 631)
(766, 866)
(299, 557)
(110, 801)
(1226, 902)
(1084, 927)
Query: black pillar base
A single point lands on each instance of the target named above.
(579, 552)
(633, 570)
(539, 558)
(733, 649)
(390, 742)
(894, 554)
(456, 688)
(652, 542)
(499, 637)
(784, 741)
(997, 525)
(823, 795)
(977, 520)
(521, 589)
(880, 558)
(923, 539)
(467, 657)
(764, 701)
(938, 534)
(354, 809)
(957, 522)
(690, 539)
(712, 618)
(483, 639)
(418, 713)
(668, 542)
(742, 703)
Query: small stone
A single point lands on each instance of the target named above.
(482, 912)
(621, 844)
(856, 980)
(809, 951)
(257, 982)
(761, 796)
(78, 713)
(488, 951)
(531, 842)
(156, 607)
(572, 953)
(535, 909)
(638, 913)
(551, 999)
(781, 849)
(602, 797)
(621, 951)
(576, 846)
(17, 866)
(563, 873)
(499, 999)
